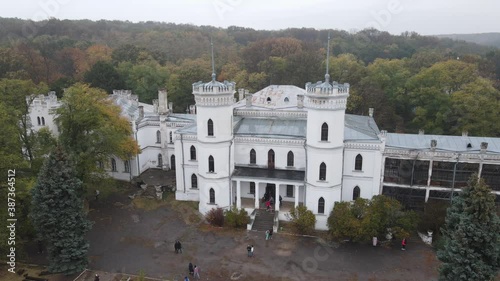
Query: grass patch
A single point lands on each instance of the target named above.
(106, 187)
(148, 204)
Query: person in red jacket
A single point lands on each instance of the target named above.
(403, 244)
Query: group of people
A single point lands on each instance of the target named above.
(250, 251)
(269, 234)
(178, 247)
(193, 271)
(269, 201)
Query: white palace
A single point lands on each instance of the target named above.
(290, 142)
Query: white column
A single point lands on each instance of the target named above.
(257, 199)
(238, 194)
(427, 191)
(296, 194)
(277, 199)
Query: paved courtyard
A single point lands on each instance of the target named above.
(127, 239)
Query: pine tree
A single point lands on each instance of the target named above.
(58, 215)
(472, 236)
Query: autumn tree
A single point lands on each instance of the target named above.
(302, 220)
(144, 79)
(92, 129)
(58, 215)
(472, 236)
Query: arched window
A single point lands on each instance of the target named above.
(268, 100)
(355, 193)
(193, 152)
(287, 99)
(158, 137)
(212, 196)
(210, 126)
(324, 132)
(126, 164)
(321, 205)
(270, 159)
(170, 139)
(43, 121)
(172, 162)
(160, 160)
(253, 157)
(289, 159)
(322, 172)
(38, 119)
(358, 164)
(113, 165)
(194, 181)
(211, 165)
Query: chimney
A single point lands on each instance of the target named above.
(248, 98)
(300, 101)
(370, 112)
(192, 109)
(433, 144)
(155, 106)
(162, 101)
(241, 94)
(141, 112)
(465, 133)
(484, 147)
(421, 132)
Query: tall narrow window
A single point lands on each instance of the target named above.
(358, 165)
(113, 165)
(253, 157)
(212, 196)
(126, 164)
(194, 181)
(43, 121)
(100, 165)
(321, 205)
(252, 187)
(270, 159)
(322, 172)
(172, 162)
(289, 190)
(38, 119)
(160, 161)
(289, 159)
(211, 165)
(355, 193)
(193, 152)
(324, 132)
(158, 137)
(210, 127)
(170, 139)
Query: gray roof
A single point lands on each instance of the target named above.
(271, 128)
(444, 143)
(280, 97)
(359, 127)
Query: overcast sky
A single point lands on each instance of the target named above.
(423, 16)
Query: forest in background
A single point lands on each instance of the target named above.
(414, 82)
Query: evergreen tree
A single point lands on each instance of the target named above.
(472, 236)
(58, 215)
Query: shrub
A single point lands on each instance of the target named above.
(215, 217)
(302, 220)
(236, 218)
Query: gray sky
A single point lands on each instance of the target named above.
(395, 16)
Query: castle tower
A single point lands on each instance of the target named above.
(214, 106)
(326, 103)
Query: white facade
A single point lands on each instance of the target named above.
(274, 141)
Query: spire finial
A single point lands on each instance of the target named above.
(327, 76)
(213, 62)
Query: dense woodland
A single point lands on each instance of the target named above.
(414, 82)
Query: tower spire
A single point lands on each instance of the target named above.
(327, 76)
(213, 62)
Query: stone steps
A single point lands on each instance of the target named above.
(263, 220)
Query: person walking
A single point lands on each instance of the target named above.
(251, 252)
(196, 272)
(186, 278)
(281, 199)
(191, 269)
(271, 233)
(267, 234)
(97, 194)
(96, 278)
(403, 244)
(249, 249)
